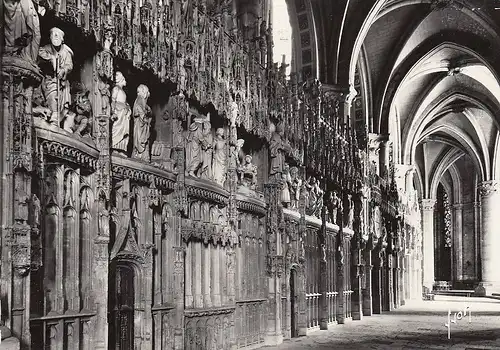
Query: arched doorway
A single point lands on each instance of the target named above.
(122, 300)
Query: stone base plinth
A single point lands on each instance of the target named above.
(487, 289)
(273, 340)
(302, 332)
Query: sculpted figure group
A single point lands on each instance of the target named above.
(65, 104)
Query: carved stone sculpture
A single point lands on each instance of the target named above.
(56, 63)
(35, 210)
(248, 173)
(286, 183)
(142, 124)
(207, 150)
(40, 108)
(315, 197)
(120, 116)
(333, 206)
(21, 30)
(199, 135)
(103, 219)
(219, 161)
(234, 113)
(77, 119)
(278, 148)
(350, 211)
(295, 185)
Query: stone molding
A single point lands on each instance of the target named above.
(207, 191)
(17, 66)
(428, 204)
(209, 312)
(127, 168)
(458, 206)
(488, 188)
(58, 143)
(251, 205)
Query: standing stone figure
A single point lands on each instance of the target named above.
(277, 148)
(196, 144)
(142, 124)
(295, 184)
(285, 189)
(58, 63)
(219, 161)
(333, 206)
(248, 173)
(315, 198)
(21, 30)
(207, 149)
(36, 210)
(103, 219)
(350, 212)
(120, 114)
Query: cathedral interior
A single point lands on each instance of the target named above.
(226, 174)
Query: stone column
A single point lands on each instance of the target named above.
(357, 297)
(377, 283)
(340, 278)
(16, 166)
(216, 300)
(390, 281)
(458, 241)
(179, 263)
(428, 241)
(197, 275)
(367, 288)
(207, 276)
(275, 264)
(383, 157)
(490, 240)
(323, 283)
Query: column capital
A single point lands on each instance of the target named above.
(427, 204)
(488, 188)
(339, 93)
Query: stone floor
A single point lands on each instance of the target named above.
(417, 325)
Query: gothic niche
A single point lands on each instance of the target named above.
(169, 132)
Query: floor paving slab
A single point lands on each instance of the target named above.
(416, 325)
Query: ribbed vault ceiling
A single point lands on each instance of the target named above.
(433, 86)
